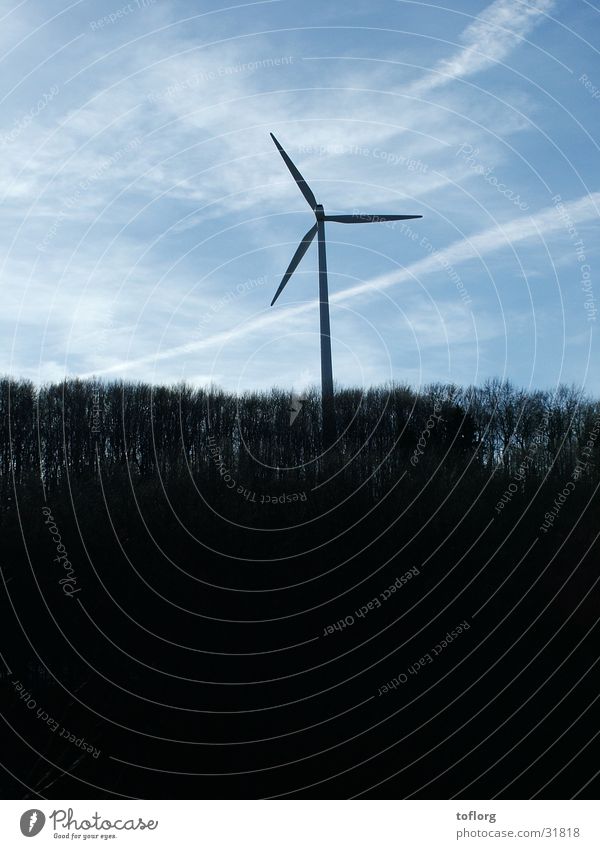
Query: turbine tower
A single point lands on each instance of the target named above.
(329, 429)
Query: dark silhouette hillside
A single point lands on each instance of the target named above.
(218, 609)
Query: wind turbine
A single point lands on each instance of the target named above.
(329, 434)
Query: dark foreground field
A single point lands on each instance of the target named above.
(197, 602)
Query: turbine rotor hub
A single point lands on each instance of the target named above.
(320, 212)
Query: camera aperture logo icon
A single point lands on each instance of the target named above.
(32, 822)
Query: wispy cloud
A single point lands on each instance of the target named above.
(545, 222)
(148, 186)
(493, 35)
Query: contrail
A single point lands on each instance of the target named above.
(494, 33)
(487, 241)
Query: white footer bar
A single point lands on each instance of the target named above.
(302, 824)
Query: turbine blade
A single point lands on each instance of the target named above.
(300, 251)
(365, 219)
(302, 184)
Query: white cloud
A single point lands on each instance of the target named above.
(493, 35)
(206, 155)
(546, 222)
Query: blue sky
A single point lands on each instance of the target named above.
(147, 217)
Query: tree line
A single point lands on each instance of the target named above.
(159, 528)
(70, 429)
